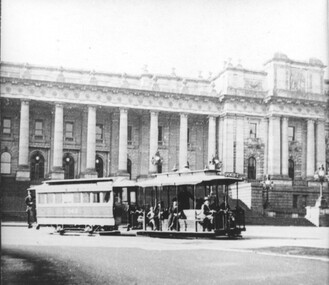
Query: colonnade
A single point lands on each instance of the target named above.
(230, 142)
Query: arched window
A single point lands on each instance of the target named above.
(291, 170)
(129, 167)
(99, 166)
(251, 168)
(68, 166)
(37, 167)
(5, 163)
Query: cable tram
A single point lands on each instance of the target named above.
(187, 194)
(97, 205)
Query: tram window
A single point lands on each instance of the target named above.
(58, 198)
(106, 196)
(76, 198)
(133, 197)
(68, 198)
(43, 198)
(124, 195)
(50, 198)
(96, 197)
(85, 197)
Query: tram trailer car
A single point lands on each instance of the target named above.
(79, 204)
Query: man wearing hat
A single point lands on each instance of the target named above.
(207, 214)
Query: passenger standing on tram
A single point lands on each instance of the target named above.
(173, 223)
(159, 212)
(151, 218)
(207, 214)
(184, 197)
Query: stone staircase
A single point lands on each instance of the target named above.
(263, 219)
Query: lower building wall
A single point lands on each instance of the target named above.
(13, 195)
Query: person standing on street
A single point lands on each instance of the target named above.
(29, 209)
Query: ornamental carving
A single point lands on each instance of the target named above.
(295, 146)
(254, 143)
(253, 84)
(297, 80)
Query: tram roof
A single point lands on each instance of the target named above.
(191, 178)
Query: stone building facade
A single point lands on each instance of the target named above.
(63, 123)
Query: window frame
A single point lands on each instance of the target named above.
(69, 138)
(99, 127)
(251, 134)
(129, 134)
(293, 133)
(37, 135)
(5, 163)
(7, 128)
(160, 135)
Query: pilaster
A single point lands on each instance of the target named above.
(274, 148)
(228, 143)
(211, 137)
(310, 158)
(183, 141)
(285, 147)
(239, 168)
(123, 142)
(153, 140)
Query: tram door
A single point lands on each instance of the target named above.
(124, 200)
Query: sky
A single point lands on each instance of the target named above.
(188, 35)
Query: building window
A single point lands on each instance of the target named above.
(291, 134)
(251, 168)
(130, 135)
(160, 136)
(38, 130)
(68, 166)
(253, 130)
(291, 169)
(99, 166)
(99, 133)
(6, 127)
(188, 137)
(37, 166)
(5, 163)
(295, 201)
(69, 131)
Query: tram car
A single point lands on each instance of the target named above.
(175, 205)
(87, 205)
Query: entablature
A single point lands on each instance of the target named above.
(68, 93)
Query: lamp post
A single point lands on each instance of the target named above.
(321, 176)
(268, 185)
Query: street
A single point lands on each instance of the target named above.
(266, 255)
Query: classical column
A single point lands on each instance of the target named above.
(310, 169)
(183, 141)
(220, 138)
(228, 142)
(153, 140)
(211, 137)
(91, 142)
(320, 144)
(123, 142)
(57, 167)
(23, 172)
(265, 136)
(239, 168)
(285, 147)
(274, 147)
